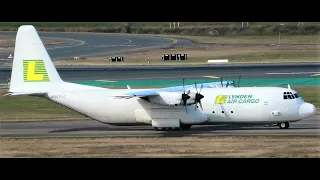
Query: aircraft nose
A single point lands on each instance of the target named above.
(306, 110)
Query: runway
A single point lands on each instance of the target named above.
(91, 128)
(230, 72)
(97, 44)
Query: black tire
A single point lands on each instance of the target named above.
(185, 126)
(285, 125)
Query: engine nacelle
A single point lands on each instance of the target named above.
(193, 116)
(171, 98)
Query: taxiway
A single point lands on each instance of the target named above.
(91, 128)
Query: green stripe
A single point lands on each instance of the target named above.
(38, 69)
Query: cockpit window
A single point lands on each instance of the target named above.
(289, 95)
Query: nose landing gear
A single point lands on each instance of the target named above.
(284, 125)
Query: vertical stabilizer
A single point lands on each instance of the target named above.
(32, 69)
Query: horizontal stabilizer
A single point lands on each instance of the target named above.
(26, 93)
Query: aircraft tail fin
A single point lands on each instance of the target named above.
(32, 69)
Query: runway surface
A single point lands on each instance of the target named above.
(311, 70)
(96, 44)
(91, 128)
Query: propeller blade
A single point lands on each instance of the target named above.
(227, 83)
(195, 85)
(239, 80)
(201, 105)
(233, 83)
(221, 82)
(183, 85)
(201, 88)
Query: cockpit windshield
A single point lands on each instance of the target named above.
(290, 95)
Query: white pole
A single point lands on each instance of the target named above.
(242, 24)
(247, 23)
(178, 24)
(170, 25)
(279, 37)
(174, 24)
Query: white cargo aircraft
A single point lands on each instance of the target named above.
(34, 74)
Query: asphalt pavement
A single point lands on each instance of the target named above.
(97, 44)
(91, 128)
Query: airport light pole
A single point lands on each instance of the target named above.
(279, 40)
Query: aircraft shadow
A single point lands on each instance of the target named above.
(173, 133)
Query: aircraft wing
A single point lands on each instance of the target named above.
(155, 92)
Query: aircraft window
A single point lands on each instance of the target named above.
(290, 95)
(212, 111)
(222, 111)
(231, 111)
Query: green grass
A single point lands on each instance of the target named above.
(280, 56)
(200, 55)
(141, 24)
(266, 39)
(186, 28)
(35, 108)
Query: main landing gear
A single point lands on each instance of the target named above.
(284, 125)
(182, 127)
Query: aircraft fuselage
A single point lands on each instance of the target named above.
(247, 105)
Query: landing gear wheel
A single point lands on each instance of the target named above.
(185, 126)
(160, 129)
(284, 125)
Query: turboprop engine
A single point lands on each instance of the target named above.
(176, 98)
(173, 98)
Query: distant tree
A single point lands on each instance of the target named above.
(126, 27)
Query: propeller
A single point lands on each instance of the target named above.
(198, 96)
(184, 96)
(239, 80)
(221, 82)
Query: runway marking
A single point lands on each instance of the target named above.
(315, 75)
(57, 47)
(213, 77)
(106, 80)
(174, 41)
(294, 73)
